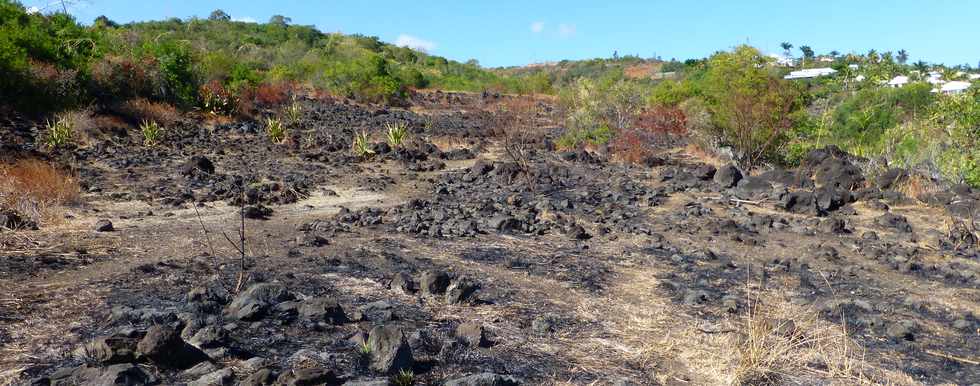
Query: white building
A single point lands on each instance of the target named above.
(898, 81)
(810, 73)
(954, 87)
(973, 76)
(782, 60)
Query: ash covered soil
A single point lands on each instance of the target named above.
(448, 260)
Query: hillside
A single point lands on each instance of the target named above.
(211, 202)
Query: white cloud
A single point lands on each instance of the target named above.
(33, 10)
(566, 30)
(414, 43)
(537, 27)
(244, 19)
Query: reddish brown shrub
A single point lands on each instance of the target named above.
(661, 120)
(272, 95)
(137, 110)
(632, 145)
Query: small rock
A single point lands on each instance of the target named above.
(307, 377)
(104, 226)
(403, 282)
(727, 176)
(218, 378)
(322, 309)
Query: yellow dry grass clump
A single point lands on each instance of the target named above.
(36, 189)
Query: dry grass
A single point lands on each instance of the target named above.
(141, 109)
(36, 189)
(698, 152)
(917, 186)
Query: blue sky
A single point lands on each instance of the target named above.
(506, 32)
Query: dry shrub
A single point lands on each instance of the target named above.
(140, 109)
(917, 186)
(120, 77)
(215, 99)
(661, 120)
(270, 95)
(650, 128)
(36, 189)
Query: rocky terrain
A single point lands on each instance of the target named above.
(448, 261)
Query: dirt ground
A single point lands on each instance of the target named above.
(578, 269)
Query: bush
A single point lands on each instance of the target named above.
(176, 69)
(577, 138)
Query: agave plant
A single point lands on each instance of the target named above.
(362, 145)
(60, 131)
(275, 129)
(151, 132)
(293, 112)
(396, 134)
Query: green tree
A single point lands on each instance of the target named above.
(280, 20)
(751, 108)
(219, 15)
(807, 52)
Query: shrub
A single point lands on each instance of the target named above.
(575, 139)
(275, 129)
(661, 120)
(35, 189)
(119, 78)
(176, 70)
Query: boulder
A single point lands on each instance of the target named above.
(434, 282)
(196, 164)
(461, 291)
(484, 379)
(322, 309)
(117, 348)
(126, 374)
(390, 352)
(220, 377)
(309, 376)
(403, 282)
(164, 347)
(255, 302)
(472, 334)
(727, 176)
(894, 221)
(753, 188)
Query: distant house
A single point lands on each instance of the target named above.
(954, 87)
(859, 78)
(782, 60)
(808, 73)
(826, 59)
(973, 76)
(898, 81)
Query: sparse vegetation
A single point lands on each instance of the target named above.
(293, 112)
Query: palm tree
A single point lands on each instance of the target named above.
(872, 55)
(807, 53)
(786, 47)
(921, 66)
(903, 56)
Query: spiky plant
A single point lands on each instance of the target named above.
(151, 132)
(362, 145)
(403, 378)
(275, 129)
(293, 112)
(396, 133)
(60, 131)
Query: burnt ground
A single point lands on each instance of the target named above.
(572, 269)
